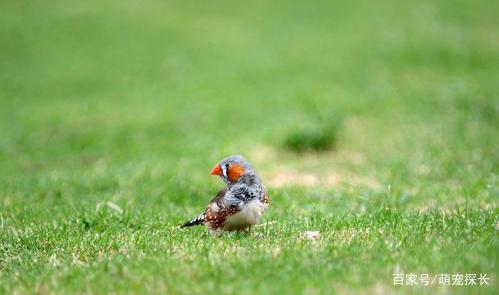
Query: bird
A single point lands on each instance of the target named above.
(240, 204)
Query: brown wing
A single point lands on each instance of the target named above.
(216, 213)
(264, 198)
(218, 199)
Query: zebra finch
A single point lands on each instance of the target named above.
(240, 204)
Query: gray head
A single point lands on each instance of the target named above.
(232, 168)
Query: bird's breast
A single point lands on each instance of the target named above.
(249, 215)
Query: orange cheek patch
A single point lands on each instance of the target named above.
(235, 171)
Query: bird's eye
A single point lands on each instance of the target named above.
(227, 165)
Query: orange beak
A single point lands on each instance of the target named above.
(216, 170)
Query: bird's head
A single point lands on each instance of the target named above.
(232, 168)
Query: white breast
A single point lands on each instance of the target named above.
(249, 215)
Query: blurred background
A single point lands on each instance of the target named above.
(382, 90)
(340, 105)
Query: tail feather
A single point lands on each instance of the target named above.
(195, 221)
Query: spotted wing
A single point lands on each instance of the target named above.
(218, 211)
(264, 198)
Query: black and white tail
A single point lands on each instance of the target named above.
(195, 221)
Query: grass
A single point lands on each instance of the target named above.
(112, 115)
(311, 138)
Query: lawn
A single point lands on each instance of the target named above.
(375, 123)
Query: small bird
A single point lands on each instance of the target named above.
(240, 204)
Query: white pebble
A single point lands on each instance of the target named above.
(312, 235)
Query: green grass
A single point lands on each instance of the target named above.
(130, 104)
